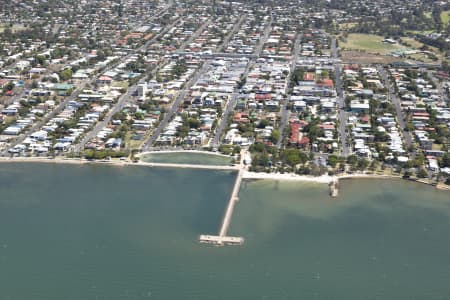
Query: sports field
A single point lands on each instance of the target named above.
(368, 42)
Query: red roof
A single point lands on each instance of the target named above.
(304, 141)
(3, 82)
(105, 78)
(295, 132)
(326, 82)
(261, 97)
(308, 77)
(365, 118)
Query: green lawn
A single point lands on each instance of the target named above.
(417, 45)
(346, 26)
(369, 43)
(15, 28)
(445, 17)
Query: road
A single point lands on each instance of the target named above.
(286, 100)
(397, 105)
(213, 55)
(224, 120)
(343, 135)
(232, 103)
(169, 115)
(235, 28)
(102, 124)
(437, 83)
(194, 36)
(264, 38)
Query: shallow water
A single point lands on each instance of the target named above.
(188, 158)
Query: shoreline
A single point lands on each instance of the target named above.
(184, 151)
(113, 163)
(246, 175)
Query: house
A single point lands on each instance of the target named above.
(11, 110)
(104, 80)
(62, 88)
(433, 164)
(358, 106)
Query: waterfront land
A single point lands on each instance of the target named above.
(300, 97)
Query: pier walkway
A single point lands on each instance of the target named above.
(223, 238)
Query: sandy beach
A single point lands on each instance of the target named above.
(287, 177)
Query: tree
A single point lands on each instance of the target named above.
(183, 131)
(332, 160)
(275, 136)
(363, 164)
(65, 74)
(445, 163)
(352, 160)
(260, 159)
(422, 173)
(293, 157)
(263, 123)
(193, 123)
(226, 149)
(9, 86)
(374, 165)
(34, 84)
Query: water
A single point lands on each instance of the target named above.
(102, 232)
(188, 158)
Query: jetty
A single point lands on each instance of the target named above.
(334, 188)
(222, 238)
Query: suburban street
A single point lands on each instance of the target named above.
(397, 105)
(169, 114)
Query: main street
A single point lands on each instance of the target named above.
(234, 96)
(343, 135)
(287, 98)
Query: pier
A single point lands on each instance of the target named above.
(334, 188)
(222, 238)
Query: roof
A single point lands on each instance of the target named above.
(105, 78)
(63, 86)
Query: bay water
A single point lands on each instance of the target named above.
(107, 232)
